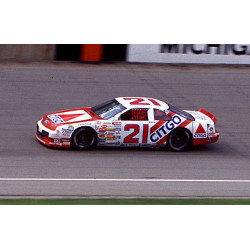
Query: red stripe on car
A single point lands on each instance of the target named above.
(156, 126)
(162, 140)
(185, 123)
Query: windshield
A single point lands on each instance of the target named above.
(108, 109)
(181, 113)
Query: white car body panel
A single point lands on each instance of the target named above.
(56, 129)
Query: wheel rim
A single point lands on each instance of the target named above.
(179, 140)
(84, 139)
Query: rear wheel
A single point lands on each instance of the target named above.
(179, 139)
(84, 138)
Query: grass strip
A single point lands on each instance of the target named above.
(131, 201)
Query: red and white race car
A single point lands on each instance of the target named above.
(127, 121)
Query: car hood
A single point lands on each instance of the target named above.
(70, 116)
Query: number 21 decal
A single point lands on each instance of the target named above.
(141, 101)
(136, 129)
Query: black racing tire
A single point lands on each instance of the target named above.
(179, 139)
(84, 138)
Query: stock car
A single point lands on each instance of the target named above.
(129, 122)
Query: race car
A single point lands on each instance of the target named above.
(129, 122)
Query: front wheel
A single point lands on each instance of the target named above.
(84, 138)
(179, 139)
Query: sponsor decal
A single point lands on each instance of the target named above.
(46, 122)
(110, 137)
(57, 141)
(117, 129)
(164, 129)
(102, 130)
(66, 143)
(67, 116)
(57, 133)
(116, 123)
(212, 135)
(110, 129)
(66, 135)
(102, 140)
(102, 135)
(66, 132)
(56, 119)
(200, 132)
(85, 124)
(65, 140)
(200, 135)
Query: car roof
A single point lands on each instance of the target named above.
(141, 102)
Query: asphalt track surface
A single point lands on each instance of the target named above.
(30, 90)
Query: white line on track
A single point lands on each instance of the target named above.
(120, 180)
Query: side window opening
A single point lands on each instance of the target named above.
(161, 115)
(126, 116)
(135, 115)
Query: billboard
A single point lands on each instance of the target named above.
(189, 53)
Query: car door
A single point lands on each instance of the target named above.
(135, 127)
(160, 126)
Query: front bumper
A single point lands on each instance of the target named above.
(44, 136)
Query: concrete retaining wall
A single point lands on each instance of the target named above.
(27, 52)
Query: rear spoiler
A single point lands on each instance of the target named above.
(205, 112)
